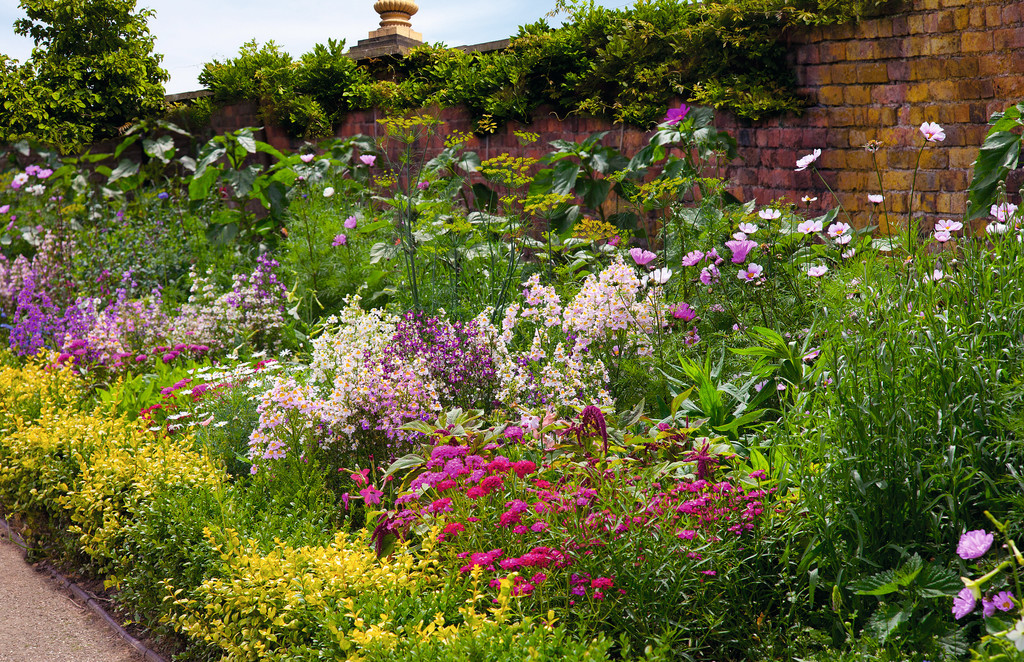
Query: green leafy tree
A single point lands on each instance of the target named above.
(92, 72)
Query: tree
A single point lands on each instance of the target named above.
(91, 73)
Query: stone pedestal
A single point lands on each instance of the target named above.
(395, 35)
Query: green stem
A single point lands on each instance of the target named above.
(912, 240)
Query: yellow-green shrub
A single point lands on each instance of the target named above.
(42, 462)
(334, 599)
(120, 476)
(28, 392)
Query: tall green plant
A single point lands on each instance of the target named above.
(92, 72)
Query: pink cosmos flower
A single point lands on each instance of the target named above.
(1002, 212)
(682, 311)
(809, 227)
(875, 199)
(709, 274)
(4, 209)
(751, 273)
(974, 544)
(804, 161)
(849, 254)
(692, 258)
(19, 180)
(963, 603)
(808, 200)
(932, 132)
(339, 240)
(769, 214)
(748, 228)
(676, 115)
(307, 158)
(351, 222)
(817, 271)
(423, 186)
(838, 229)
(942, 236)
(988, 607)
(641, 257)
(740, 250)
(948, 225)
(44, 173)
(368, 159)
(32, 170)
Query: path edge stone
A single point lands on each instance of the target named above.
(148, 654)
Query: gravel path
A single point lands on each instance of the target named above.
(41, 623)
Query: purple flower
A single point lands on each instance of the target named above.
(740, 249)
(676, 115)
(751, 273)
(682, 311)
(371, 495)
(339, 240)
(368, 159)
(974, 544)
(963, 603)
(692, 258)
(709, 274)
(988, 607)
(350, 223)
(163, 195)
(423, 186)
(1003, 601)
(306, 158)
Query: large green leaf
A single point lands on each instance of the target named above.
(161, 149)
(998, 155)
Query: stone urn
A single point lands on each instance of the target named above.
(395, 13)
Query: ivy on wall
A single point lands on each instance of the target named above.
(622, 64)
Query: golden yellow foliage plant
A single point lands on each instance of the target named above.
(40, 463)
(38, 386)
(123, 475)
(324, 602)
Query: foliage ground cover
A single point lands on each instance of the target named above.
(368, 403)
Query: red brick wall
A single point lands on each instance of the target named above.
(954, 62)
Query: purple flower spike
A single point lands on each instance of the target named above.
(974, 544)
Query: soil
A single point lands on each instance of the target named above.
(39, 622)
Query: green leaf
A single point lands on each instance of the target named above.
(383, 251)
(563, 178)
(998, 155)
(936, 581)
(908, 572)
(161, 149)
(125, 168)
(407, 461)
(885, 622)
(882, 583)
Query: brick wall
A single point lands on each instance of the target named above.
(954, 62)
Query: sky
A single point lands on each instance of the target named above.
(190, 33)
